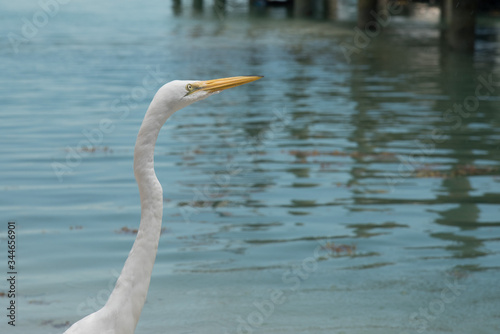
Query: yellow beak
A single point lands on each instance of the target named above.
(217, 85)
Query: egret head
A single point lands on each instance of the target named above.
(178, 94)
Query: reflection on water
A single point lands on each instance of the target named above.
(359, 189)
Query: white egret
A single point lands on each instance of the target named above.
(121, 312)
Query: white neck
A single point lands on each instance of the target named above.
(130, 292)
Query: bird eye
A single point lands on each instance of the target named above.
(189, 87)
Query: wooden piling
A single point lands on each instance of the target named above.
(330, 9)
(198, 6)
(220, 8)
(302, 8)
(461, 24)
(177, 7)
(365, 7)
(442, 18)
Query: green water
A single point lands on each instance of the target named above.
(338, 194)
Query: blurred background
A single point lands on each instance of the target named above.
(354, 189)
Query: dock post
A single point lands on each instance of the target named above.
(177, 7)
(330, 9)
(198, 6)
(302, 8)
(461, 24)
(220, 8)
(442, 7)
(365, 8)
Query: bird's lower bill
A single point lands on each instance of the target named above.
(217, 85)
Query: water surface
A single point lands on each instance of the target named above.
(335, 195)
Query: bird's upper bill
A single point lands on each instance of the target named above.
(217, 85)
